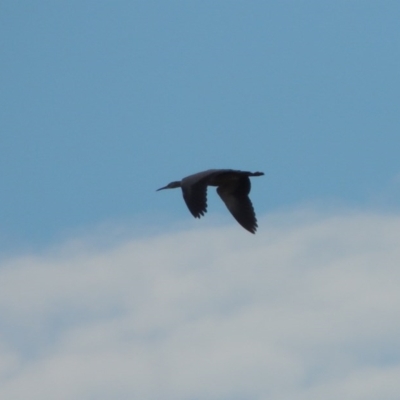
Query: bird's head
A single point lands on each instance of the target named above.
(172, 185)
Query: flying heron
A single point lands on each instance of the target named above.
(232, 186)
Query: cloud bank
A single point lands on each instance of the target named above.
(306, 309)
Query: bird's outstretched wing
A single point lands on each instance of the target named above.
(235, 196)
(195, 197)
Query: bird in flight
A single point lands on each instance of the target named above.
(232, 186)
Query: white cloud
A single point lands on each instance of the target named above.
(306, 309)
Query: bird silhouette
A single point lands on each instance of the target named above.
(232, 186)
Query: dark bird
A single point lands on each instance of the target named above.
(232, 186)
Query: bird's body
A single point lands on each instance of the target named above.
(232, 186)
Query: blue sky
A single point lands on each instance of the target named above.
(102, 102)
(111, 290)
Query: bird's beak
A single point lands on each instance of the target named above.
(164, 187)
